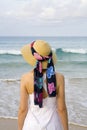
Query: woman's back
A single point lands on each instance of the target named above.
(42, 93)
(45, 118)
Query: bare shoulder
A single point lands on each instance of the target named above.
(25, 77)
(60, 78)
(60, 75)
(27, 81)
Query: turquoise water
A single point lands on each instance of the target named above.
(72, 62)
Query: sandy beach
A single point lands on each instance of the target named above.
(11, 124)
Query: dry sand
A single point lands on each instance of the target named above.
(11, 124)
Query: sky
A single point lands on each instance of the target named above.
(43, 17)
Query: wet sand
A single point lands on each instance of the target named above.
(11, 124)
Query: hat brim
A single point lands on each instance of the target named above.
(29, 58)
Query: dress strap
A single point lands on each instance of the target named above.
(44, 83)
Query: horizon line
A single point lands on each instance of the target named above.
(43, 36)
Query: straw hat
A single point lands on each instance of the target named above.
(42, 47)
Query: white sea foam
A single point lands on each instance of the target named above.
(9, 80)
(8, 117)
(14, 52)
(77, 124)
(54, 49)
(17, 52)
(81, 50)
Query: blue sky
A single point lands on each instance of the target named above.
(43, 18)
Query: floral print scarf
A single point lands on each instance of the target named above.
(38, 77)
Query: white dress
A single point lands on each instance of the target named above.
(45, 118)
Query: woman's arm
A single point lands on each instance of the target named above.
(23, 107)
(62, 110)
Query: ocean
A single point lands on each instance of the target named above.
(72, 63)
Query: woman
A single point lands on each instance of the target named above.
(42, 94)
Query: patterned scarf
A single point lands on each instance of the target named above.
(38, 77)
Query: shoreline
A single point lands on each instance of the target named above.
(11, 124)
